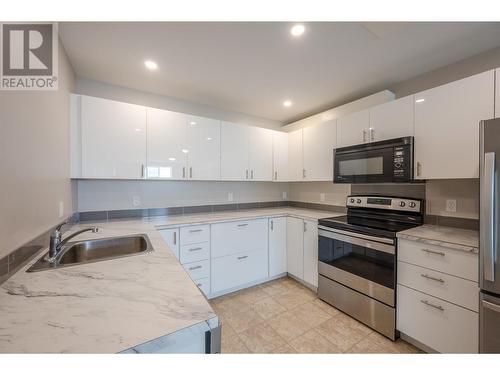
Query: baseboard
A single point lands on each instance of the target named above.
(245, 286)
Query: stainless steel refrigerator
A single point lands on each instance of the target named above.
(489, 260)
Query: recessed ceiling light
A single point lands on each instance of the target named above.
(419, 100)
(171, 159)
(209, 138)
(287, 103)
(151, 65)
(137, 129)
(192, 123)
(185, 150)
(297, 30)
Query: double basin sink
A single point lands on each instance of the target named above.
(89, 251)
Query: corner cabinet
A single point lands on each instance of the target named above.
(302, 250)
(277, 246)
(113, 138)
(447, 127)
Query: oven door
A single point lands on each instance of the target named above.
(364, 164)
(360, 262)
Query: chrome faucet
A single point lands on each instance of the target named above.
(56, 241)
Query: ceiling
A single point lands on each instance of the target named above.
(253, 67)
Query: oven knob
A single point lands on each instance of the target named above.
(358, 200)
(412, 204)
(402, 204)
(351, 200)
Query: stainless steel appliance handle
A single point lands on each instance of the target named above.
(425, 302)
(488, 206)
(491, 306)
(359, 235)
(358, 240)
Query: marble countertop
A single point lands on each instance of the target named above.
(457, 238)
(113, 305)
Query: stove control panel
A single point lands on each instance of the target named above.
(386, 203)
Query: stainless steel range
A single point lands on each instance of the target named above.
(357, 258)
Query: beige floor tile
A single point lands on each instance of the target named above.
(310, 313)
(294, 298)
(288, 325)
(340, 333)
(230, 305)
(268, 307)
(242, 320)
(332, 311)
(233, 345)
(397, 347)
(261, 339)
(275, 288)
(313, 342)
(285, 349)
(251, 295)
(227, 330)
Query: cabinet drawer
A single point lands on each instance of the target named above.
(198, 270)
(195, 234)
(450, 288)
(439, 258)
(238, 236)
(204, 285)
(442, 326)
(195, 252)
(239, 269)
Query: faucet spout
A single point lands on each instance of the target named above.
(56, 241)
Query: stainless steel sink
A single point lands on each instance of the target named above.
(80, 252)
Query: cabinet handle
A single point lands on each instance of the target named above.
(434, 252)
(303, 173)
(372, 134)
(242, 225)
(438, 307)
(195, 230)
(175, 238)
(419, 168)
(243, 257)
(196, 249)
(432, 278)
(364, 135)
(276, 175)
(305, 226)
(183, 172)
(251, 174)
(198, 285)
(272, 225)
(142, 170)
(194, 268)
(190, 172)
(247, 174)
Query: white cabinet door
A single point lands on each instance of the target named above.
(311, 252)
(234, 152)
(171, 237)
(113, 139)
(260, 159)
(446, 127)
(280, 156)
(277, 246)
(167, 145)
(295, 247)
(295, 157)
(203, 144)
(497, 93)
(318, 144)
(353, 129)
(393, 119)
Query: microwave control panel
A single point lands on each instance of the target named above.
(401, 162)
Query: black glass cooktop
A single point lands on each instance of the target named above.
(377, 227)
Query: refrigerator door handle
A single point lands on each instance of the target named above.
(488, 208)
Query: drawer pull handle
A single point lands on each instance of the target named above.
(194, 268)
(196, 249)
(242, 225)
(434, 252)
(425, 302)
(243, 257)
(432, 278)
(195, 230)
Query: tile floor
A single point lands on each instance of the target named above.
(283, 316)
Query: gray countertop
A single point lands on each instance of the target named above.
(113, 305)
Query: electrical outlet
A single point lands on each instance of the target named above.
(230, 197)
(61, 208)
(284, 195)
(136, 200)
(451, 205)
(322, 197)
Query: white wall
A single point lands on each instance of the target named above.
(34, 159)
(103, 90)
(466, 193)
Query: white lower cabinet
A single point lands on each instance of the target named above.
(238, 236)
(277, 246)
(171, 237)
(311, 252)
(295, 247)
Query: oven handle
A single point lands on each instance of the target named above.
(359, 239)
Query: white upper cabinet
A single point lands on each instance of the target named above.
(447, 127)
(318, 144)
(234, 152)
(295, 156)
(260, 157)
(167, 144)
(393, 119)
(203, 145)
(113, 139)
(353, 129)
(497, 93)
(280, 156)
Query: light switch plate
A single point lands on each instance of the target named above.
(230, 197)
(451, 205)
(284, 195)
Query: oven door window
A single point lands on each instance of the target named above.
(365, 166)
(376, 266)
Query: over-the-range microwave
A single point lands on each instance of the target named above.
(384, 161)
